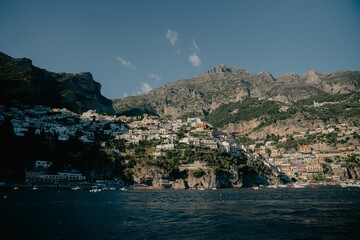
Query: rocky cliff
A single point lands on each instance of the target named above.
(204, 93)
(20, 81)
(346, 173)
(209, 179)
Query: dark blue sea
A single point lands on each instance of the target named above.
(325, 212)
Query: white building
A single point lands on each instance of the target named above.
(42, 164)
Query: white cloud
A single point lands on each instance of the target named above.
(154, 76)
(145, 88)
(195, 60)
(195, 46)
(172, 36)
(126, 63)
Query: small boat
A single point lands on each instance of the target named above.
(141, 186)
(300, 185)
(350, 184)
(75, 188)
(95, 190)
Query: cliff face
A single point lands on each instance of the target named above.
(22, 82)
(210, 178)
(204, 93)
(346, 173)
(213, 179)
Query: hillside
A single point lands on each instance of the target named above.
(20, 81)
(229, 95)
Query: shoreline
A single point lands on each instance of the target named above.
(91, 186)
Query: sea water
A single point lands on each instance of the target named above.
(324, 212)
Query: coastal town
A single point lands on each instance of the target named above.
(327, 154)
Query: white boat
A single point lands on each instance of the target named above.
(350, 184)
(95, 190)
(300, 185)
(75, 188)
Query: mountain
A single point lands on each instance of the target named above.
(234, 98)
(22, 82)
(204, 93)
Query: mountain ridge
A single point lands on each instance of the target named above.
(21, 81)
(206, 91)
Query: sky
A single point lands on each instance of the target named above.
(133, 46)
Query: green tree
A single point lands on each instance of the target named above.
(197, 173)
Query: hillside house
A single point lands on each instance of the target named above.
(304, 149)
(194, 166)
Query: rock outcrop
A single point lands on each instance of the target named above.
(209, 179)
(346, 173)
(204, 93)
(20, 81)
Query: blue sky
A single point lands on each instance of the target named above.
(132, 46)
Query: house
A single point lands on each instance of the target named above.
(304, 149)
(314, 167)
(169, 146)
(225, 146)
(210, 143)
(42, 164)
(201, 125)
(299, 135)
(185, 140)
(40, 177)
(193, 166)
(158, 153)
(275, 153)
(193, 121)
(285, 168)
